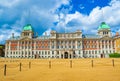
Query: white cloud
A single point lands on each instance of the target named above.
(47, 32)
(6, 34)
(15, 15)
(9, 3)
(43, 15)
(81, 6)
(109, 14)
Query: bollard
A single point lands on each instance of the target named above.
(49, 64)
(20, 66)
(29, 65)
(113, 62)
(5, 69)
(70, 63)
(92, 63)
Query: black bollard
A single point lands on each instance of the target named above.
(92, 63)
(29, 65)
(113, 62)
(5, 69)
(20, 66)
(70, 63)
(49, 64)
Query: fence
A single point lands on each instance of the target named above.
(20, 65)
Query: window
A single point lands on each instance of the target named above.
(52, 52)
(89, 52)
(22, 42)
(52, 42)
(36, 47)
(42, 52)
(58, 42)
(73, 42)
(29, 42)
(73, 46)
(52, 46)
(39, 52)
(69, 46)
(69, 42)
(22, 52)
(57, 52)
(78, 46)
(95, 52)
(106, 41)
(65, 46)
(29, 52)
(102, 41)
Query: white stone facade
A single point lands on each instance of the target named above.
(60, 45)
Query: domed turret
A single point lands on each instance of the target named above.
(103, 25)
(27, 27)
(104, 30)
(27, 31)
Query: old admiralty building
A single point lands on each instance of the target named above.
(61, 45)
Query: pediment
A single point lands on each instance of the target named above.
(106, 37)
(26, 38)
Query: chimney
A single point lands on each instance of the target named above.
(117, 34)
(45, 33)
(36, 34)
(12, 35)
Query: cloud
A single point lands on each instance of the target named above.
(47, 32)
(15, 15)
(54, 15)
(81, 6)
(8, 3)
(6, 34)
(109, 14)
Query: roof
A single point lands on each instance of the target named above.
(28, 27)
(15, 38)
(103, 25)
(44, 37)
(90, 36)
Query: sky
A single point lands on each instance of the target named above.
(58, 15)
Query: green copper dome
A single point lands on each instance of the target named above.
(103, 25)
(27, 27)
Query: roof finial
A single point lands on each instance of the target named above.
(45, 33)
(36, 34)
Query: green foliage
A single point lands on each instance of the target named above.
(114, 55)
(1, 46)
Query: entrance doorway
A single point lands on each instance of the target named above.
(102, 55)
(70, 56)
(36, 56)
(62, 56)
(66, 55)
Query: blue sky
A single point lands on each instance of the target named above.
(47, 15)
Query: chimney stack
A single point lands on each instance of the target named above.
(45, 33)
(36, 34)
(117, 34)
(12, 35)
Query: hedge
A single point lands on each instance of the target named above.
(114, 55)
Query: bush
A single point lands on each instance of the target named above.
(114, 55)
